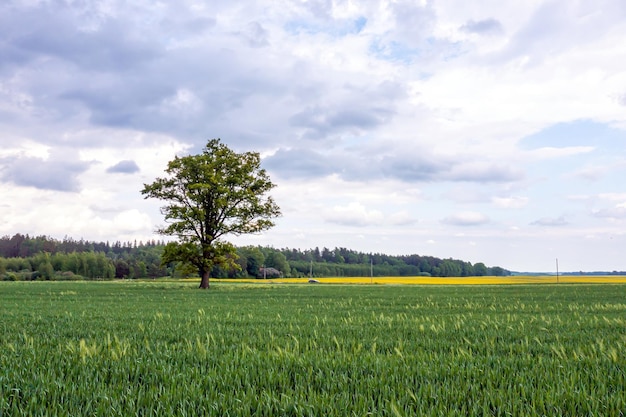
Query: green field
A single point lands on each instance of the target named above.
(148, 349)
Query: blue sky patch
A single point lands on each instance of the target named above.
(577, 133)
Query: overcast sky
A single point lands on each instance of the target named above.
(487, 131)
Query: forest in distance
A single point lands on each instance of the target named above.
(23, 257)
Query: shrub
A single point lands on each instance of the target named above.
(9, 276)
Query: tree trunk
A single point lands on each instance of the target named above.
(204, 282)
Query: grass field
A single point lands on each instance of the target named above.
(165, 348)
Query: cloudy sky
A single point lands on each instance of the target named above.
(487, 131)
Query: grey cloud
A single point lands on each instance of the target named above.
(412, 168)
(53, 173)
(350, 219)
(119, 71)
(423, 166)
(554, 28)
(592, 172)
(359, 118)
(222, 90)
(335, 27)
(140, 100)
(486, 26)
(413, 23)
(387, 90)
(348, 110)
(176, 26)
(112, 103)
(110, 46)
(320, 8)
(254, 35)
(12, 55)
(124, 167)
(466, 219)
(126, 71)
(320, 122)
(550, 221)
(463, 194)
(483, 172)
(366, 164)
(618, 212)
(299, 163)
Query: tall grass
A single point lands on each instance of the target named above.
(75, 348)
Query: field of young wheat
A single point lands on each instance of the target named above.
(153, 349)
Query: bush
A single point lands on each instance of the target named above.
(67, 276)
(9, 276)
(26, 275)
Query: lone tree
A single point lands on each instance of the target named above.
(211, 195)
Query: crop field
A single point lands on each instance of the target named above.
(508, 280)
(166, 348)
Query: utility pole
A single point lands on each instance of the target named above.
(371, 271)
(557, 270)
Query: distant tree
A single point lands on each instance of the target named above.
(327, 255)
(317, 257)
(498, 271)
(209, 196)
(122, 269)
(480, 270)
(140, 270)
(15, 245)
(467, 269)
(338, 257)
(46, 270)
(254, 260)
(277, 260)
(351, 257)
(450, 268)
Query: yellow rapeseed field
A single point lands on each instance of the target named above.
(521, 279)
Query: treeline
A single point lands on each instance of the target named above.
(29, 258)
(23, 246)
(342, 262)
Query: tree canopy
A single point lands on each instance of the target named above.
(211, 195)
(24, 257)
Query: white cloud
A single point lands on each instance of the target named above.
(131, 221)
(402, 218)
(183, 101)
(354, 214)
(369, 114)
(592, 172)
(551, 152)
(613, 196)
(510, 202)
